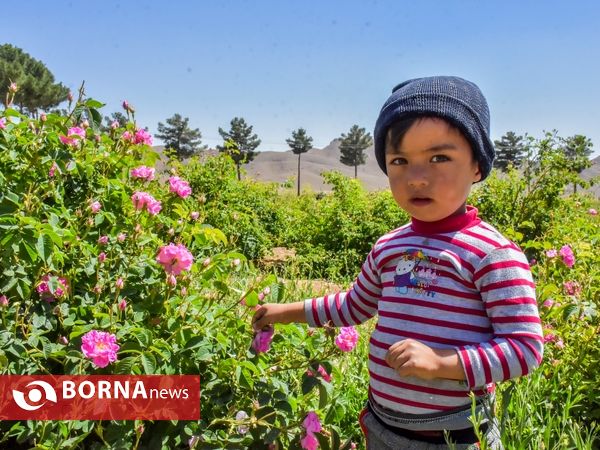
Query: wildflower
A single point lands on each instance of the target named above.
(324, 374)
(533, 262)
(179, 186)
(52, 170)
(3, 300)
(12, 88)
(551, 253)
(2, 123)
(123, 304)
(142, 137)
(43, 288)
(592, 212)
(127, 136)
(194, 215)
(346, 339)
(560, 344)
(183, 291)
(309, 442)
(548, 303)
(73, 135)
(267, 290)
(171, 280)
(175, 258)
(242, 415)
(567, 256)
(114, 125)
(101, 257)
(121, 237)
(119, 283)
(147, 173)
(312, 425)
(206, 262)
(262, 340)
(261, 296)
(572, 288)
(95, 206)
(143, 199)
(550, 337)
(101, 347)
(103, 240)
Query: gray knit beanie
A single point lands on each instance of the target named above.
(458, 101)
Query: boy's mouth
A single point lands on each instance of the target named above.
(420, 201)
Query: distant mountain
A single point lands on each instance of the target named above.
(282, 166)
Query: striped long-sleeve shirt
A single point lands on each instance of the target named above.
(457, 283)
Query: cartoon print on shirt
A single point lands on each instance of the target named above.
(413, 271)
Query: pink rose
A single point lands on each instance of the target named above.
(103, 240)
(123, 304)
(551, 253)
(144, 172)
(175, 258)
(101, 257)
(262, 340)
(346, 339)
(143, 137)
(119, 283)
(100, 346)
(309, 442)
(3, 300)
(592, 212)
(2, 123)
(180, 187)
(95, 206)
(567, 256)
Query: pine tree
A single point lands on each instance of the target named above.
(299, 143)
(242, 143)
(178, 136)
(577, 149)
(36, 89)
(510, 150)
(352, 147)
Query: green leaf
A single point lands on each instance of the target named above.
(323, 397)
(148, 363)
(252, 299)
(308, 383)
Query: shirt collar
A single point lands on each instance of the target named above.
(447, 225)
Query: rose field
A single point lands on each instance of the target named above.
(110, 266)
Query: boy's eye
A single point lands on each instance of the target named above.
(398, 161)
(440, 158)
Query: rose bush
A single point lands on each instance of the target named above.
(107, 267)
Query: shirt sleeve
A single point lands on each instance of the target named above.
(349, 308)
(508, 292)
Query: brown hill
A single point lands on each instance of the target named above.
(283, 166)
(280, 167)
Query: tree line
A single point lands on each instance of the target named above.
(29, 85)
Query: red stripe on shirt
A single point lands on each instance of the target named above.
(507, 283)
(511, 302)
(468, 367)
(435, 305)
(499, 265)
(502, 358)
(520, 357)
(407, 402)
(314, 312)
(436, 322)
(424, 337)
(485, 363)
(515, 319)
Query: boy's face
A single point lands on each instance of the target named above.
(432, 170)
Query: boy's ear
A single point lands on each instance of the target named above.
(477, 174)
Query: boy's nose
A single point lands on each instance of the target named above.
(417, 178)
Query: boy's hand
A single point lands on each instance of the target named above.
(413, 358)
(270, 313)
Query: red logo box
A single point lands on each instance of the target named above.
(99, 397)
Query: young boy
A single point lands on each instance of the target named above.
(455, 299)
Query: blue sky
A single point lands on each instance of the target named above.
(322, 65)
